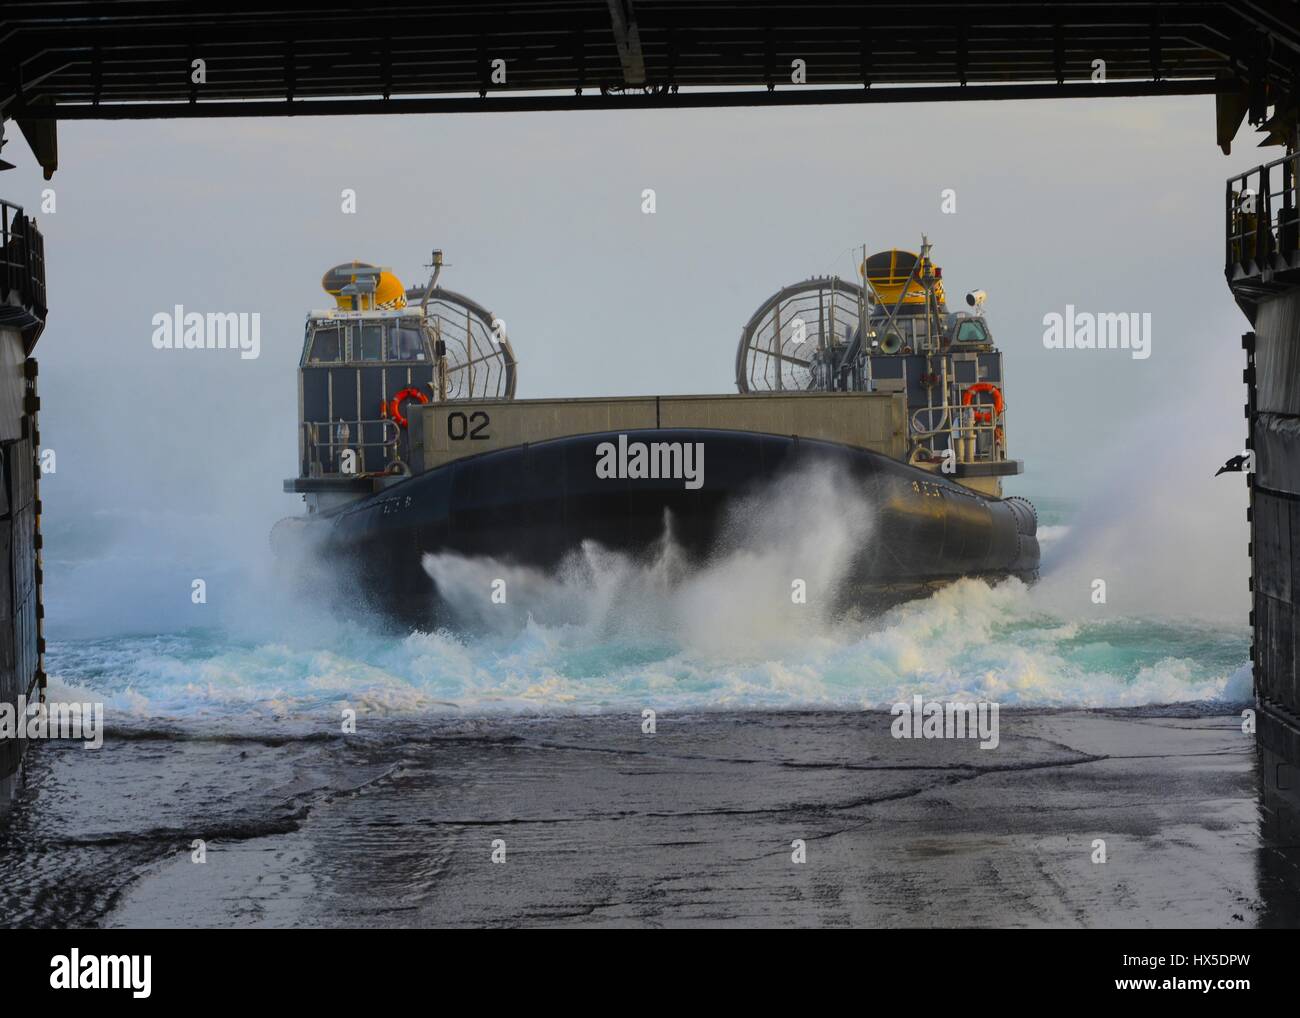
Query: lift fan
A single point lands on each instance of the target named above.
(480, 361)
(794, 340)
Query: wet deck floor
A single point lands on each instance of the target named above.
(691, 826)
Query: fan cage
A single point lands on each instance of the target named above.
(798, 335)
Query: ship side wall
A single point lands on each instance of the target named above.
(20, 642)
(444, 432)
(534, 504)
(1275, 500)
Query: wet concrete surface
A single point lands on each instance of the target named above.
(691, 826)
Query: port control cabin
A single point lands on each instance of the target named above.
(892, 334)
(367, 361)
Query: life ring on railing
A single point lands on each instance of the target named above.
(999, 404)
(395, 407)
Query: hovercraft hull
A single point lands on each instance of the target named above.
(532, 505)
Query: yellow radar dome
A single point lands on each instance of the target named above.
(359, 286)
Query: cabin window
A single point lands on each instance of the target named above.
(971, 331)
(368, 341)
(405, 343)
(325, 346)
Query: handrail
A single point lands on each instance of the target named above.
(958, 410)
(1262, 217)
(965, 428)
(333, 445)
(22, 259)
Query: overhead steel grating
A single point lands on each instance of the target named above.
(155, 58)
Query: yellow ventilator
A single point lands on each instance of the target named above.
(888, 273)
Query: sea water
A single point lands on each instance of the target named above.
(609, 633)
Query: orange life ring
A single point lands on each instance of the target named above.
(999, 404)
(395, 407)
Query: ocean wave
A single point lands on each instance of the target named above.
(971, 640)
(608, 632)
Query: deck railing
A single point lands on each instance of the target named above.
(324, 446)
(974, 431)
(1262, 219)
(22, 259)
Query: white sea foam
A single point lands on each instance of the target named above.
(968, 641)
(607, 632)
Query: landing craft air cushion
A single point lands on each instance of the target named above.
(411, 441)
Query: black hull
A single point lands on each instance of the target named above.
(532, 505)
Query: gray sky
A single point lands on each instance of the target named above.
(1110, 205)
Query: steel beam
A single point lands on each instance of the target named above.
(525, 102)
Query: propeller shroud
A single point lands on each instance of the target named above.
(798, 335)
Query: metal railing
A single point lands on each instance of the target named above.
(325, 445)
(965, 427)
(1262, 217)
(22, 259)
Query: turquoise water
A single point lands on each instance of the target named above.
(609, 634)
(969, 640)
